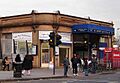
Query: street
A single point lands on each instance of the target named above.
(99, 78)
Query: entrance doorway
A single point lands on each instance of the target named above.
(84, 43)
(62, 53)
(45, 54)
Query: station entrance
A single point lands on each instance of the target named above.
(87, 39)
(84, 44)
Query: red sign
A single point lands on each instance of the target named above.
(108, 49)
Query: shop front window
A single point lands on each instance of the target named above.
(21, 47)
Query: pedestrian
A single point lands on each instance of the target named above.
(74, 61)
(6, 63)
(66, 65)
(82, 62)
(79, 63)
(85, 66)
(27, 64)
(18, 58)
(18, 62)
(94, 63)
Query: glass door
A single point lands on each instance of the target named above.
(45, 54)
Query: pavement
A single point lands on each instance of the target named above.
(38, 73)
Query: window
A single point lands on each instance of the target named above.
(102, 39)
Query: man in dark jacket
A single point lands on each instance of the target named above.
(74, 61)
(66, 65)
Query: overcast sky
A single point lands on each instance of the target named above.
(103, 10)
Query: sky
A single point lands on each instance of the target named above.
(103, 10)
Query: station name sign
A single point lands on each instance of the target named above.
(92, 28)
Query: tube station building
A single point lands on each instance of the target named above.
(29, 33)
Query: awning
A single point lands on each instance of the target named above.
(92, 28)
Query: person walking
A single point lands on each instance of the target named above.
(82, 64)
(27, 64)
(66, 65)
(6, 63)
(79, 63)
(85, 66)
(94, 63)
(74, 61)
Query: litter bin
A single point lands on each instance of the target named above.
(18, 70)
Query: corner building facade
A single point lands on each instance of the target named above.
(83, 36)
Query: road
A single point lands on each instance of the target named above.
(100, 78)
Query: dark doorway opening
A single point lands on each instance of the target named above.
(84, 43)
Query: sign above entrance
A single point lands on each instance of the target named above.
(66, 37)
(92, 28)
(44, 35)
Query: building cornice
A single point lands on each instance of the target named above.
(69, 16)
